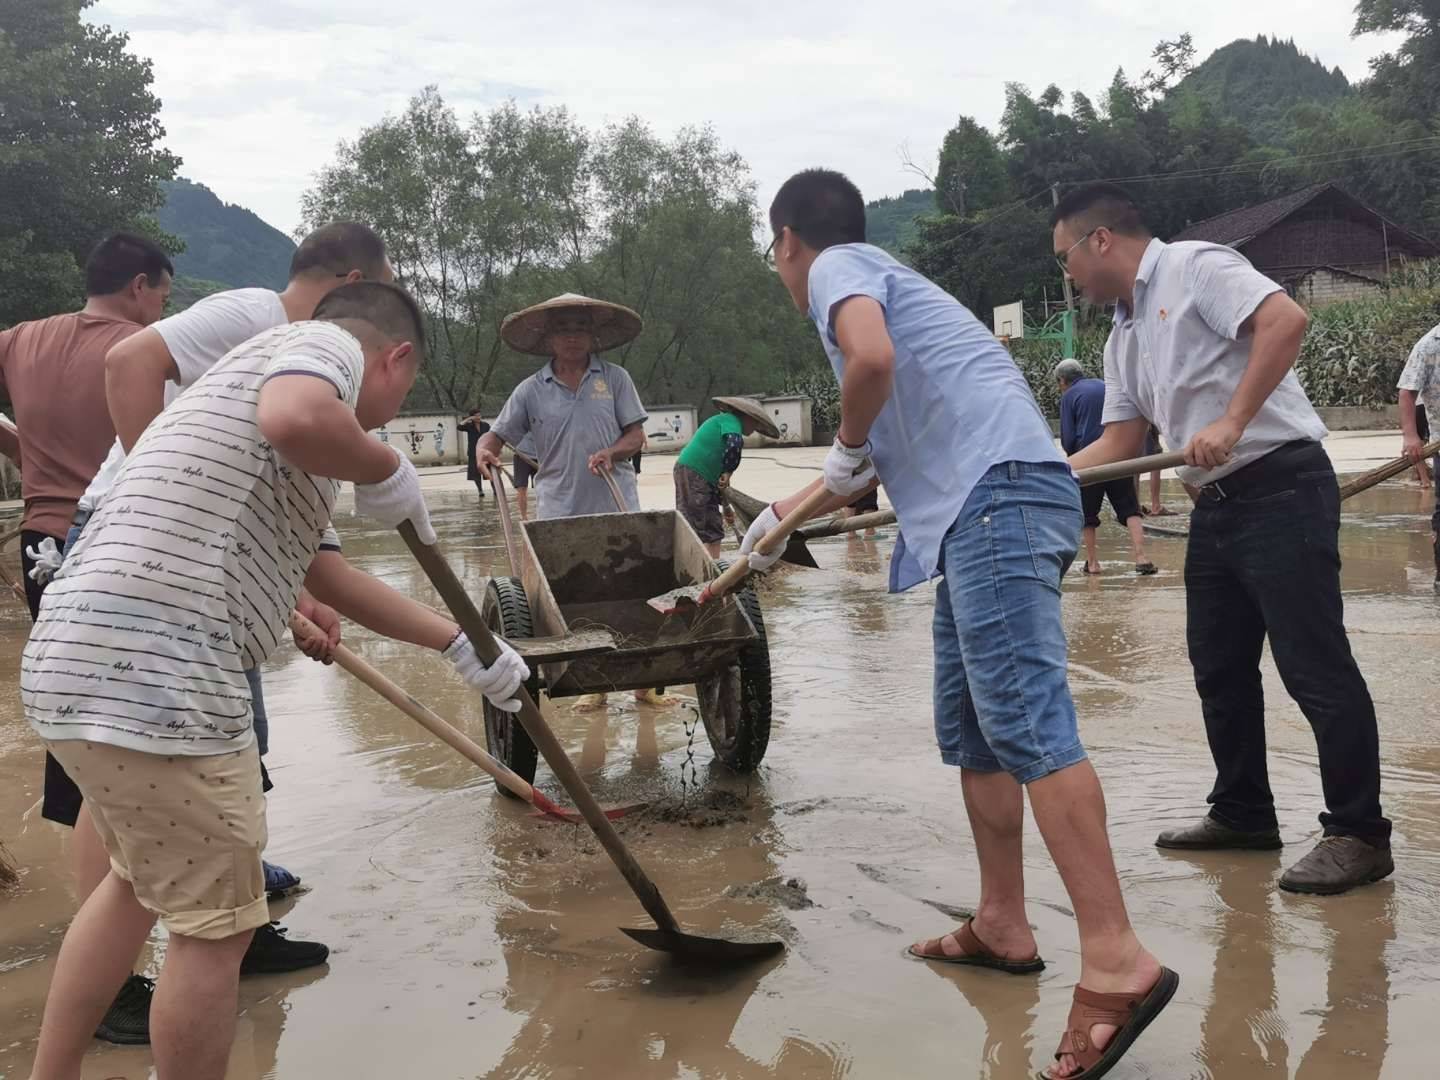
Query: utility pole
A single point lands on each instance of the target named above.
(1064, 277)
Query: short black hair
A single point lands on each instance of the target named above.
(820, 206)
(338, 248)
(388, 309)
(1101, 205)
(122, 257)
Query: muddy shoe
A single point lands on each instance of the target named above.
(271, 953)
(279, 882)
(127, 1022)
(1145, 569)
(1336, 865)
(1212, 835)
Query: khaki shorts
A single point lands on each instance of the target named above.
(185, 831)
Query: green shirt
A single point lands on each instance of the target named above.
(705, 453)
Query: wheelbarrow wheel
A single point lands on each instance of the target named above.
(506, 611)
(735, 702)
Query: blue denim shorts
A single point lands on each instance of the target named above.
(1002, 701)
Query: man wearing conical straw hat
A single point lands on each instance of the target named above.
(583, 412)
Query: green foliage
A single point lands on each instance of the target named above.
(1037, 360)
(1256, 84)
(890, 223)
(971, 177)
(488, 217)
(223, 243)
(820, 386)
(993, 258)
(1354, 352)
(186, 290)
(80, 150)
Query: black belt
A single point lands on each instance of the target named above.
(1273, 472)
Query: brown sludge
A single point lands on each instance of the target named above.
(471, 939)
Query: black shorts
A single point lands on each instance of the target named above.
(61, 799)
(523, 472)
(1121, 494)
(1422, 424)
(867, 503)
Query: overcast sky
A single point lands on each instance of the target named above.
(257, 94)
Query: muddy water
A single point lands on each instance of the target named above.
(470, 940)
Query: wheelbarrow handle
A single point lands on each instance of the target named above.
(463, 609)
(512, 549)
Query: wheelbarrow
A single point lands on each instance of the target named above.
(575, 607)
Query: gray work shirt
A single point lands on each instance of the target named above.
(1178, 357)
(568, 426)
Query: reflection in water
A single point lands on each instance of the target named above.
(1008, 1004)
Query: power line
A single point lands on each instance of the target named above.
(1352, 153)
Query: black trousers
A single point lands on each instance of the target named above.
(1264, 560)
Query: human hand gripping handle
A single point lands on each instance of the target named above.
(499, 681)
(395, 499)
(848, 469)
(765, 522)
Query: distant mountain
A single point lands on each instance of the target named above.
(224, 244)
(890, 222)
(1255, 83)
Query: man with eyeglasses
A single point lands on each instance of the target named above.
(1204, 346)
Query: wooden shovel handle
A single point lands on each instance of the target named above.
(1385, 472)
(739, 570)
(429, 720)
(512, 549)
(463, 610)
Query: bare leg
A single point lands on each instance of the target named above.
(522, 502)
(1136, 525)
(97, 956)
(1155, 493)
(713, 550)
(192, 1021)
(1092, 559)
(996, 806)
(1069, 807)
(87, 853)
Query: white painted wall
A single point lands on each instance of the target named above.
(426, 438)
(792, 417)
(670, 427)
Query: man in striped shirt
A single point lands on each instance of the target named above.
(134, 675)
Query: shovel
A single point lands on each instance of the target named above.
(667, 935)
(447, 732)
(788, 532)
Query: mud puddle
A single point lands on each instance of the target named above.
(470, 939)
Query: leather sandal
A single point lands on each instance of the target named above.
(1128, 1014)
(973, 953)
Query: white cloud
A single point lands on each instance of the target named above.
(256, 96)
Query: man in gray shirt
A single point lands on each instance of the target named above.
(582, 412)
(1203, 346)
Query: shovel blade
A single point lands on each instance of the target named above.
(687, 596)
(797, 553)
(704, 950)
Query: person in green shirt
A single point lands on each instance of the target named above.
(709, 458)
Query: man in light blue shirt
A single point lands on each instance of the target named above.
(934, 407)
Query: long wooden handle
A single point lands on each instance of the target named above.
(609, 476)
(426, 718)
(465, 613)
(1385, 472)
(740, 568)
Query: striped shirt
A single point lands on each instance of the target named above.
(189, 570)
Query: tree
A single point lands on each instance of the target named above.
(80, 152)
(484, 219)
(971, 176)
(1173, 61)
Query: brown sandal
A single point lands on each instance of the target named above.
(1129, 1015)
(974, 953)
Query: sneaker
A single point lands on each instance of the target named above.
(1336, 865)
(278, 881)
(271, 953)
(127, 1022)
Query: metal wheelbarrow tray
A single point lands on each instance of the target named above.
(578, 613)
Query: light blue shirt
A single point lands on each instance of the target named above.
(959, 404)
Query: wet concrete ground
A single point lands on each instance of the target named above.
(470, 940)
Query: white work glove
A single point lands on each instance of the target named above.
(499, 681)
(765, 523)
(47, 558)
(396, 499)
(848, 470)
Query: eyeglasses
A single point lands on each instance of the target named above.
(1063, 259)
(769, 256)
